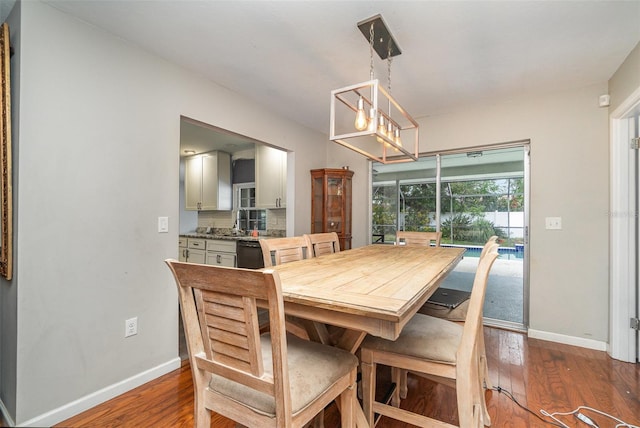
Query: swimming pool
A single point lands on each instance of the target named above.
(505, 253)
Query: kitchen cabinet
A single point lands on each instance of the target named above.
(331, 203)
(207, 182)
(182, 249)
(196, 250)
(221, 253)
(271, 177)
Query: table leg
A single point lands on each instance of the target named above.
(351, 340)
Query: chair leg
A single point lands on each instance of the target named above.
(368, 385)
(484, 368)
(481, 398)
(483, 372)
(486, 419)
(470, 398)
(202, 415)
(399, 377)
(347, 407)
(401, 383)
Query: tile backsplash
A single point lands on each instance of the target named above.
(276, 220)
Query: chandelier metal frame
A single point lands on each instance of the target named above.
(384, 131)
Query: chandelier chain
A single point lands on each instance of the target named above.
(389, 59)
(371, 33)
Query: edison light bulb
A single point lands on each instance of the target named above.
(361, 122)
(397, 139)
(372, 119)
(381, 128)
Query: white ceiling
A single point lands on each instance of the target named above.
(289, 55)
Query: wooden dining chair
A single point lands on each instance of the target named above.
(323, 243)
(418, 238)
(459, 313)
(270, 380)
(441, 350)
(276, 251)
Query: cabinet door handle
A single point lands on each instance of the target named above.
(218, 259)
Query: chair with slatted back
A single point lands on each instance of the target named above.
(459, 313)
(323, 243)
(270, 380)
(418, 238)
(441, 350)
(276, 251)
(319, 245)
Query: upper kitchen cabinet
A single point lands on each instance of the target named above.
(271, 177)
(207, 182)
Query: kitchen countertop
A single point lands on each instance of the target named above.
(224, 237)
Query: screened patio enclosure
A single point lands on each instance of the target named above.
(469, 197)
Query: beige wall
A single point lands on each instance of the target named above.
(626, 79)
(569, 179)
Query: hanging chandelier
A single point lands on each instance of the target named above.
(365, 117)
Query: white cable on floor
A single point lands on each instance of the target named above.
(620, 424)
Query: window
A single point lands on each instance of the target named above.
(244, 202)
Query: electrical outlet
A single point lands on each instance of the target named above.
(131, 327)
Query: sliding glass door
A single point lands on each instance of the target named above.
(469, 197)
(403, 199)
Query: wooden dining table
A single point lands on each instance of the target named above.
(374, 290)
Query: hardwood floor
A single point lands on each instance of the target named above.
(539, 374)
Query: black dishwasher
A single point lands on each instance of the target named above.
(249, 255)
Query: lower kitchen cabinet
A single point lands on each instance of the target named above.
(196, 250)
(221, 253)
(182, 249)
(215, 252)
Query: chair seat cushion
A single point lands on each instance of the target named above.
(459, 313)
(424, 337)
(313, 368)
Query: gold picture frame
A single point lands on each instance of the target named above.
(6, 194)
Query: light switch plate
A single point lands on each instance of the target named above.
(553, 223)
(163, 224)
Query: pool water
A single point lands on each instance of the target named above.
(505, 253)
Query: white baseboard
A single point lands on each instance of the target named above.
(568, 340)
(85, 403)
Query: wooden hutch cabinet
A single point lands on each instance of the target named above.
(331, 203)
